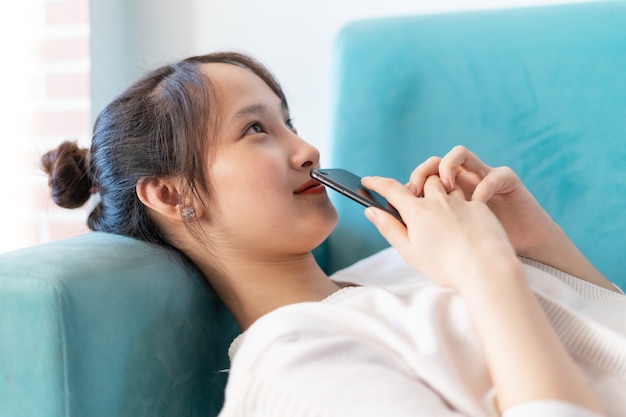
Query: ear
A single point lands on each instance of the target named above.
(164, 197)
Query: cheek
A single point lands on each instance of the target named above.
(246, 169)
(245, 196)
(254, 173)
(230, 176)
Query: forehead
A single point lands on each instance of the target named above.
(236, 86)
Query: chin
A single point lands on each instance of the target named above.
(327, 223)
(310, 230)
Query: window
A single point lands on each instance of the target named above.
(45, 100)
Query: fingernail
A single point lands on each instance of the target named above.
(371, 214)
(446, 184)
(412, 188)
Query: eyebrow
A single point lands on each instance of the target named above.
(253, 109)
(250, 110)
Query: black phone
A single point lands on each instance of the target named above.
(349, 184)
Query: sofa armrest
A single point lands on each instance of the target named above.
(103, 325)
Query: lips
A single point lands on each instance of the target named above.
(309, 185)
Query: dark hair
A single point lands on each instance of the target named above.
(157, 128)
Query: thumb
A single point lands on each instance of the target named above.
(500, 180)
(487, 188)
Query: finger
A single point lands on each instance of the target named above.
(388, 226)
(467, 181)
(459, 193)
(499, 181)
(458, 157)
(434, 187)
(399, 196)
(389, 188)
(424, 170)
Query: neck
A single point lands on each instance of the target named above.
(253, 289)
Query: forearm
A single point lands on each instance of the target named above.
(557, 250)
(526, 359)
(461, 244)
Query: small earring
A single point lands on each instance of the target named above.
(188, 213)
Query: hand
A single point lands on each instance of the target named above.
(531, 231)
(460, 243)
(450, 239)
(525, 221)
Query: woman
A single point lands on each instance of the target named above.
(202, 156)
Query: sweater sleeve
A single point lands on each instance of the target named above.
(547, 409)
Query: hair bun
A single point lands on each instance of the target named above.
(68, 176)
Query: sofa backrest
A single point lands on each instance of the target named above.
(542, 90)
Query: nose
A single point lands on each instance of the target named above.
(304, 155)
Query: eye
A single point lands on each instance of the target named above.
(254, 128)
(290, 125)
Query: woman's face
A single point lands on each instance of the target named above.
(263, 201)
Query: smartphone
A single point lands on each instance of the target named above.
(349, 184)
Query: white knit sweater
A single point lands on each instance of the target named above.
(400, 345)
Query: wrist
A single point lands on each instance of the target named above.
(491, 274)
(558, 251)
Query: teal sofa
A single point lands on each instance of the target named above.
(103, 325)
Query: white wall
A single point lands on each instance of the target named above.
(294, 38)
